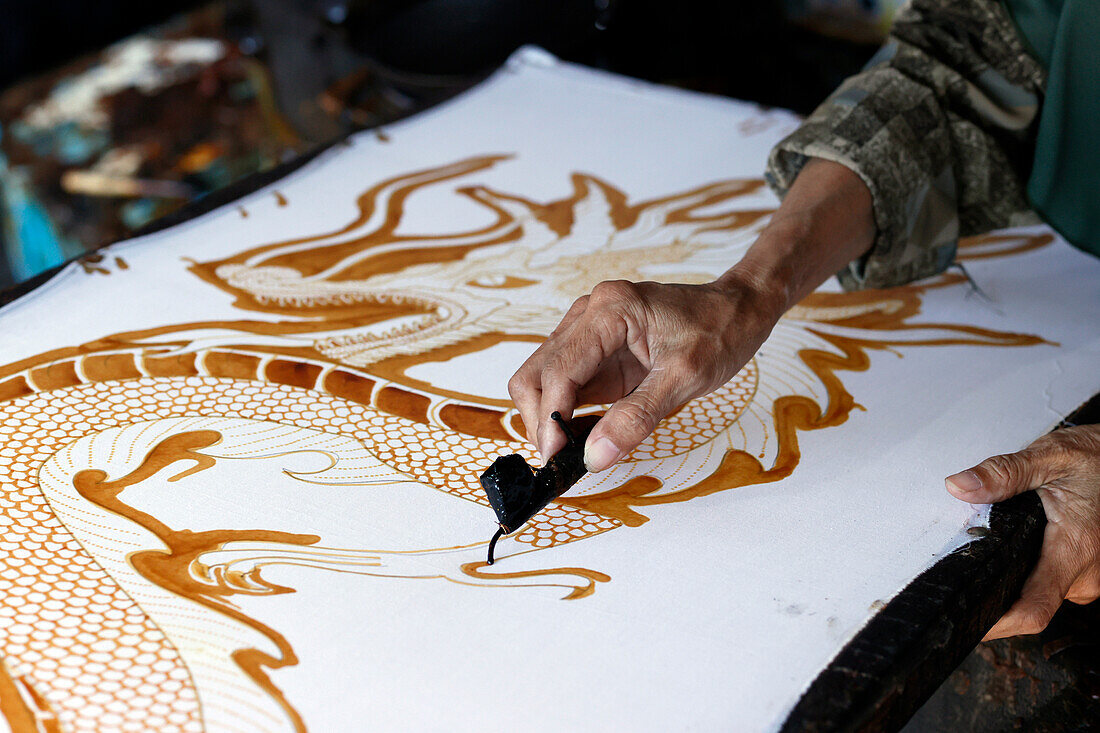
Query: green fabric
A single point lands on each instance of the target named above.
(1064, 187)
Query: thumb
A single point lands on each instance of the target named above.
(632, 419)
(1002, 477)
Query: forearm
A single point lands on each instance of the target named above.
(939, 126)
(824, 222)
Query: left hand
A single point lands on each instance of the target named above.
(1064, 468)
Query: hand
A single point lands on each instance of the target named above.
(1064, 468)
(648, 348)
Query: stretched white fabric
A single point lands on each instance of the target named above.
(239, 457)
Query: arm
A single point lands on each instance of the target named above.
(931, 142)
(650, 347)
(940, 126)
(925, 145)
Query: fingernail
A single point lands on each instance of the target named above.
(965, 482)
(601, 454)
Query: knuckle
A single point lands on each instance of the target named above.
(516, 388)
(1059, 448)
(551, 374)
(1071, 448)
(636, 419)
(519, 379)
(521, 382)
(556, 374)
(611, 292)
(1003, 468)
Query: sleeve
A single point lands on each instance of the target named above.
(940, 125)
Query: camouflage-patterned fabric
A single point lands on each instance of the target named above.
(940, 125)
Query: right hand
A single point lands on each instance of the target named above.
(649, 348)
(646, 347)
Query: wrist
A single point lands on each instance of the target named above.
(763, 292)
(770, 272)
(825, 222)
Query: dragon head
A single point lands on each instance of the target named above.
(519, 274)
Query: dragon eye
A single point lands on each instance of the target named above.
(501, 281)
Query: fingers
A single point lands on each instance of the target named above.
(552, 378)
(525, 386)
(634, 417)
(586, 346)
(1059, 566)
(525, 393)
(1002, 477)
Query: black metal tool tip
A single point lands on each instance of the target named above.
(556, 417)
(493, 545)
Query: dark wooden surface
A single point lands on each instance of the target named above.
(907, 650)
(1045, 682)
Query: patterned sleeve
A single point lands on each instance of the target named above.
(939, 125)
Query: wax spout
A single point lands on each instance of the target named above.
(493, 546)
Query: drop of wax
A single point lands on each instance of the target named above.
(517, 492)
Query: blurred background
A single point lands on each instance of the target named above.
(114, 113)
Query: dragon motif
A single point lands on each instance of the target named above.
(393, 328)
